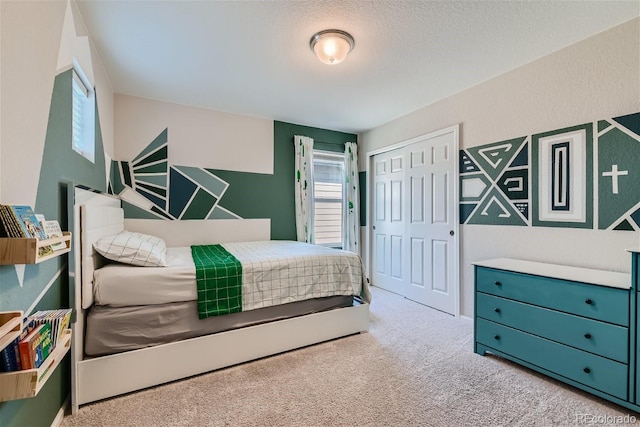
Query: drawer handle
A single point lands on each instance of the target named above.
(587, 370)
(497, 310)
(587, 336)
(497, 283)
(588, 301)
(496, 337)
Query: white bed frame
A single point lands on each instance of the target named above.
(102, 377)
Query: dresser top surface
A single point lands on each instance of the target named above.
(576, 274)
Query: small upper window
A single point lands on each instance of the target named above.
(83, 117)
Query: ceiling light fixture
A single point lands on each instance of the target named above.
(332, 46)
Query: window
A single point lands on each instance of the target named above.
(83, 116)
(328, 198)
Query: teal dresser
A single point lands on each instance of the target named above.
(574, 324)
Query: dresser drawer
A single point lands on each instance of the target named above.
(597, 337)
(585, 368)
(596, 302)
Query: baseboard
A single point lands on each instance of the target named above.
(466, 318)
(57, 421)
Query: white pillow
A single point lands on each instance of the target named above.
(133, 248)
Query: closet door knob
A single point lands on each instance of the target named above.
(497, 310)
(497, 337)
(587, 370)
(588, 301)
(497, 283)
(587, 336)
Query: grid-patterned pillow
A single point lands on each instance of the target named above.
(133, 248)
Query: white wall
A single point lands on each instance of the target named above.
(197, 137)
(31, 36)
(29, 57)
(595, 79)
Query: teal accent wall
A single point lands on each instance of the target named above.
(336, 147)
(252, 195)
(60, 164)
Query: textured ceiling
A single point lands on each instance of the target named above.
(253, 57)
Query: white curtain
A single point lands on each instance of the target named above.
(304, 188)
(351, 234)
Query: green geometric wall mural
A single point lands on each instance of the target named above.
(494, 183)
(562, 173)
(150, 188)
(619, 173)
(555, 180)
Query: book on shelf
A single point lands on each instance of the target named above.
(52, 230)
(10, 223)
(58, 320)
(35, 347)
(20, 221)
(27, 221)
(4, 223)
(30, 350)
(10, 355)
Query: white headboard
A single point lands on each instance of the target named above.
(96, 222)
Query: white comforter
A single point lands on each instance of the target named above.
(274, 272)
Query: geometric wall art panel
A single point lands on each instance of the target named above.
(494, 158)
(630, 122)
(200, 206)
(473, 187)
(160, 202)
(602, 125)
(494, 183)
(562, 167)
(466, 164)
(495, 208)
(466, 209)
(161, 140)
(181, 191)
(619, 174)
(515, 184)
(585, 176)
(150, 187)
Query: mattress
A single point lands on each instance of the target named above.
(112, 330)
(123, 285)
(274, 272)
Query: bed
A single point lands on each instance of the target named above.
(137, 327)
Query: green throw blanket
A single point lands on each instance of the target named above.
(219, 278)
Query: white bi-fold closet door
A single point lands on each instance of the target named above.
(414, 220)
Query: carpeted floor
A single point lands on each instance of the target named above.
(415, 367)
